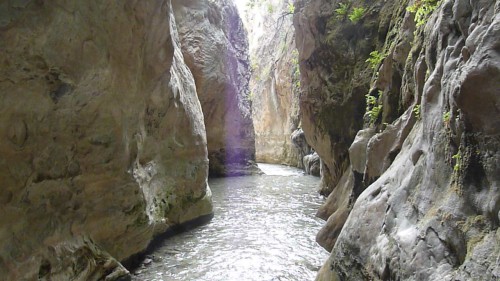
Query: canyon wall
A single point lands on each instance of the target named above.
(412, 168)
(274, 86)
(102, 136)
(215, 47)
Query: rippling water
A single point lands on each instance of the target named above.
(263, 230)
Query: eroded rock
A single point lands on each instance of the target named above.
(103, 141)
(215, 46)
(274, 86)
(421, 194)
(312, 164)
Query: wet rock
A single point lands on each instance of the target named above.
(312, 164)
(418, 201)
(105, 144)
(82, 258)
(299, 141)
(332, 55)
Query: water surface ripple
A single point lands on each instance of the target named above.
(263, 230)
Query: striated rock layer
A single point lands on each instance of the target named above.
(215, 46)
(102, 137)
(275, 86)
(415, 195)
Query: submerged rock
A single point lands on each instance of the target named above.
(103, 141)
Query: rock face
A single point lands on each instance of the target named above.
(415, 195)
(275, 86)
(299, 141)
(102, 137)
(332, 59)
(312, 164)
(215, 47)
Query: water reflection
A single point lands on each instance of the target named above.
(264, 229)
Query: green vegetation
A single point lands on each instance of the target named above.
(291, 8)
(446, 117)
(296, 76)
(475, 227)
(253, 64)
(295, 57)
(375, 59)
(422, 10)
(458, 158)
(295, 64)
(283, 47)
(373, 109)
(251, 3)
(416, 110)
(251, 95)
(357, 14)
(270, 8)
(342, 10)
(265, 73)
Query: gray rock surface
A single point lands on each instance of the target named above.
(215, 47)
(102, 137)
(312, 164)
(420, 199)
(274, 85)
(334, 81)
(299, 141)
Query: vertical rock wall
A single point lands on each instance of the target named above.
(102, 137)
(274, 86)
(215, 46)
(416, 192)
(334, 80)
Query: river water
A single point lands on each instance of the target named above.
(263, 230)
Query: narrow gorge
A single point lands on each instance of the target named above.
(124, 123)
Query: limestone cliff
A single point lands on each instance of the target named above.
(274, 86)
(102, 137)
(415, 193)
(215, 46)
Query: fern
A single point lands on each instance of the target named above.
(416, 110)
(373, 109)
(342, 10)
(446, 117)
(375, 59)
(422, 10)
(357, 14)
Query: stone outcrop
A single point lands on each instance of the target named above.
(332, 59)
(215, 47)
(415, 194)
(102, 137)
(275, 86)
(312, 164)
(299, 141)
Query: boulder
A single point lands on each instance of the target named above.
(312, 164)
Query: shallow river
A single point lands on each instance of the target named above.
(263, 230)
